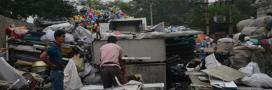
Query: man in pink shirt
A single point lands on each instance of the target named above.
(110, 58)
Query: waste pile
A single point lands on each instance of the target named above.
(235, 62)
(26, 44)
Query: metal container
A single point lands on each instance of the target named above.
(153, 48)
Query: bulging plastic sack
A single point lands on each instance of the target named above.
(254, 77)
(83, 35)
(67, 27)
(49, 36)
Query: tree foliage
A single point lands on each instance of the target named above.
(43, 8)
(239, 9)
(169, 11)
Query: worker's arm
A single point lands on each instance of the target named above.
(44, 57)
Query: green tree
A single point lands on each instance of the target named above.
(239, 9)
(43, 8)
(171, 12)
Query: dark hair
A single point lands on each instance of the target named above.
(242, 37)
(58, 33)
(73, 52)
(112, 39)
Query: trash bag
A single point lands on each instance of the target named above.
(247, 22)
(254, 77)
(67, 27)
(83, 35)
(71, 78)
(49, 36)
(261, 21)
(248, 30)
(250, 69)
(90, 74)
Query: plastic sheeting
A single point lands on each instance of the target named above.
(9, 73)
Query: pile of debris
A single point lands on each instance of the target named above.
(234, 63)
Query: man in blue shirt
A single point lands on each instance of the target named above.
(55, 58)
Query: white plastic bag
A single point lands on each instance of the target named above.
(67, 27)
(83, 35)
(71, 78)
(250, 69)
(49, 36)
(254, 77)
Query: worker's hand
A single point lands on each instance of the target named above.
(3, 50)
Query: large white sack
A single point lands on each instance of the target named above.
(260, 21)
(68, 27)
(247, 22)
(71, 80)
(248, 30)
(49, 36)
(254, 77)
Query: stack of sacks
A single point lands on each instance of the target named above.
(258, 29)
(225, 46)
(241, 58)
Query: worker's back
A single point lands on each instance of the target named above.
(110, 54)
